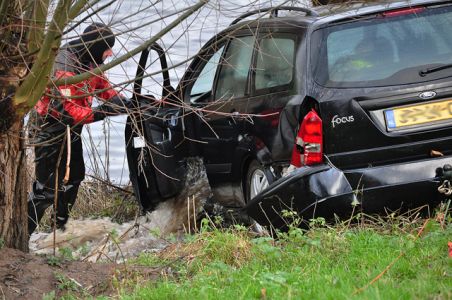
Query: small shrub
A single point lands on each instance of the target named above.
(66, 253)
(54, 261)
(49, 296)
(66, 284)
(317, 222)
(83, 250)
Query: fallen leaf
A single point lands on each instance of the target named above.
(450, 248)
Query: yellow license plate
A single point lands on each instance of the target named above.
(418, 114)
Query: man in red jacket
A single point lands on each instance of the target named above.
(69, 105)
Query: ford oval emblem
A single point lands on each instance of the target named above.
(427, 95)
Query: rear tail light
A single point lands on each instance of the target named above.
(403, 11)
(308, 148)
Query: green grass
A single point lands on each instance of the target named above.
(324, 263)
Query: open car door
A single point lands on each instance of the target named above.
(155, 140)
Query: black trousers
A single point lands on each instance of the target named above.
(49, 143)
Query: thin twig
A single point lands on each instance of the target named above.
(110, 184)
(87, 17)
(210, 220)
(3, 294)
(443, 220)
(194, 214)
(55, 201)
(108, 257)
(350, 219)
(68, 155)
(188, 215)
(76, 282)
(103, 247)
(120, 251)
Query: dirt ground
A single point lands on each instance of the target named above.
(27, 276)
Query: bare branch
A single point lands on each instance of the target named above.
(35, 82)
(147, 44)
(89, 16)
(38, 21)
(77, 8)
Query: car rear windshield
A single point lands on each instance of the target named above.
(390, 48)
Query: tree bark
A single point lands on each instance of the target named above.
(13, 176)
(13, 188)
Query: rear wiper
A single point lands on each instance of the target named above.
(433, 70)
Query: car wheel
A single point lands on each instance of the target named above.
(257, 180)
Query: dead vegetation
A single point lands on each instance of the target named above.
(97, 199)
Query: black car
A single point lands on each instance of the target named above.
(315, 110)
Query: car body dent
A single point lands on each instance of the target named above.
(327, 191)
(300, 191)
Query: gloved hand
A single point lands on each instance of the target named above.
(115, 106)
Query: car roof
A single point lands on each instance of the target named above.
(333, 12)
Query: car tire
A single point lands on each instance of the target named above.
(257, 180)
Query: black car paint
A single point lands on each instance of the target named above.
(153, 176)
(327, 191)
(235, 131)
(407, 178)
(353, 165)
(303, 191)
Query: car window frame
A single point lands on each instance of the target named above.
(316, 36)
(195, 68)
(240, 34)
(285, 87)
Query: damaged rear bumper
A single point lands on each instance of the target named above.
(325, 191)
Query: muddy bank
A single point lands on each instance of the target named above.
(27, 276)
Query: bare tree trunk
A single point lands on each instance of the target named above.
(13, 188)
(13, 176)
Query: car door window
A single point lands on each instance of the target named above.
(233, 76)
(204, 83)
(275, 62)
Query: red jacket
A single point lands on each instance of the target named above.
(78, 109)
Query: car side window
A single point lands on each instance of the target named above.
(233, 76)
(274, 62)
(204, 81)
